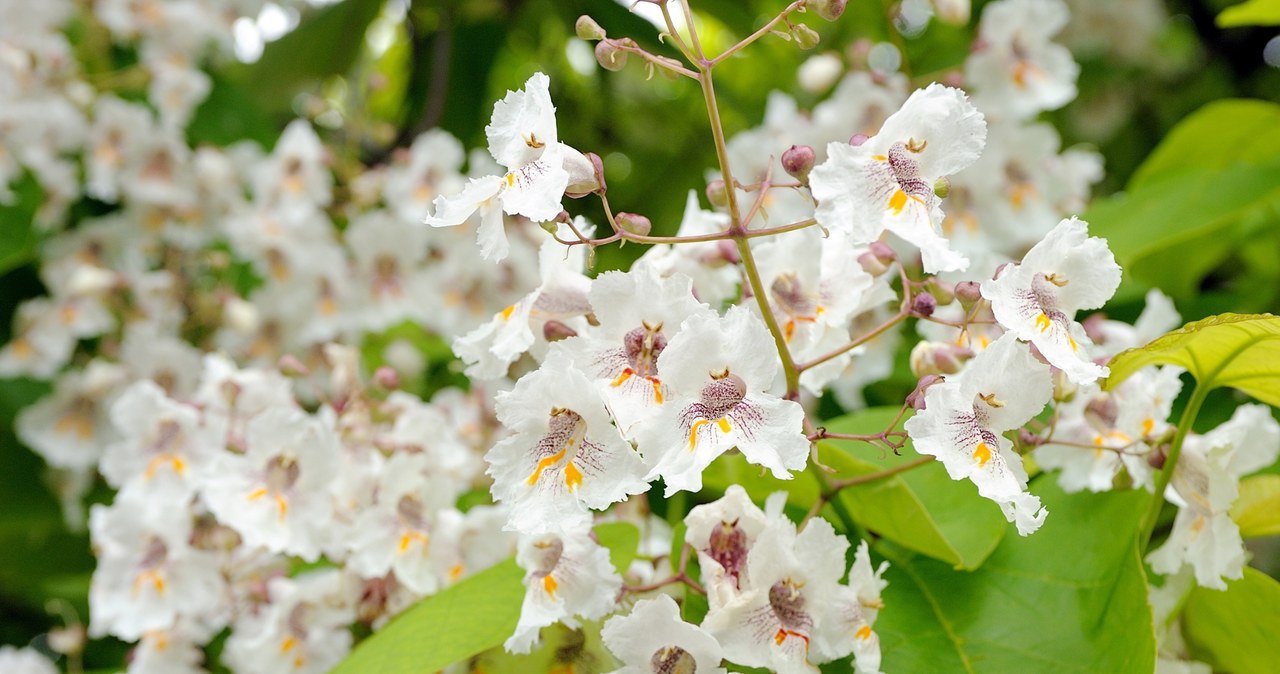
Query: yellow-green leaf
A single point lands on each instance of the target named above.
(1237, 630)
(1251, 13)
(1235, 350)
(1257, 509)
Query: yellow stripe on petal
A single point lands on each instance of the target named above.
(1042, 322)
(693, 432)
(545, 464)
(864, 632)
(549, 584)
(898, 201)
(982, 453)
(572, 476)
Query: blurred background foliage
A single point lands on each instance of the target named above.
(372, 74)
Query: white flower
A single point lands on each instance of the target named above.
(723, 533)
(719, 371)
(1206, 481)
(653, 638)
(1001, 389)
(565, 576)
(1016, 67)
(164, 445)
(715, 280)
(887, 183)
(564, 455)
(1037, 300)
(303, 630)
(522, 137)
(276, 494)
(639, 312)
(25, 661)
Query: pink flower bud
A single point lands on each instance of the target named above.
(634, 223)
(797, 161)
(924, 304)
(716, 193)
(968, 292)
(828, 9)
(386, 378)
(555, 331)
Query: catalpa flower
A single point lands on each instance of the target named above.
(888, 182)
(1015, 66)
(719, 387)
(564, 576)
(522, 137)
(564, 455)
(723, 533)
(1001, 389)
(653, 638)
(1037, 300)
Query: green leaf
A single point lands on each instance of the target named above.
(1217, 136)
(1071, 597)
(327, 42)
(1236, 630)
(473, 616)
(1257, 509)
(1237, 350)
(18, 238)
(1170, 233)
(622, 539)
(1251, 13)
(922, 509)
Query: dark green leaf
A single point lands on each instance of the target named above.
(17, 235)
(1238, 630)
(1071, 597)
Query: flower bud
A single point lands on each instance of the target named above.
(938, 358)
(828, 9)
(290, 366)
(871, 264)
(588, 29)
(1094, 327)
(858, 139)
(729, 251)
(806, 38)
(1157, 456)
(923, 304)
(555, 331)
(1028, 439)
(916, 398)
(610, 57)
(386, 378)
(716, 193)
(883, 252)
(968, 292)
(942, 187)
(797, 161)
(634, 223)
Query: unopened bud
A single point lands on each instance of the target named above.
(883, 252)
(550, 226)
(597, 167)
(610, 57)
(716, 193)
(1157, 456)
(1028, 439)
(290, 366)
(797, 161)
(872, 264)
(729, 251)
(858, 139)
(588, 29)
(828, 9)
(1094, 327)
(916, 397)
(1000, 270)
(943, 292)
(942, 187)
(634, 223)
(386, 378)
(968, 292)
(938, 358)
(806, 38)
(924, 304)
(555, 331)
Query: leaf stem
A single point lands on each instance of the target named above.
(1170, 464)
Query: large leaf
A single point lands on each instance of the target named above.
(1237, 630)
(466, 619)
(1219, 135)
(1257, 509)
(1170, 233)
(921, 509)
(327, 42)
(1071, 597)
(1240, 351)
(458, 623)
(1251, 13)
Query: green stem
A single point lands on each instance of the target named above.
(1170, 463)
